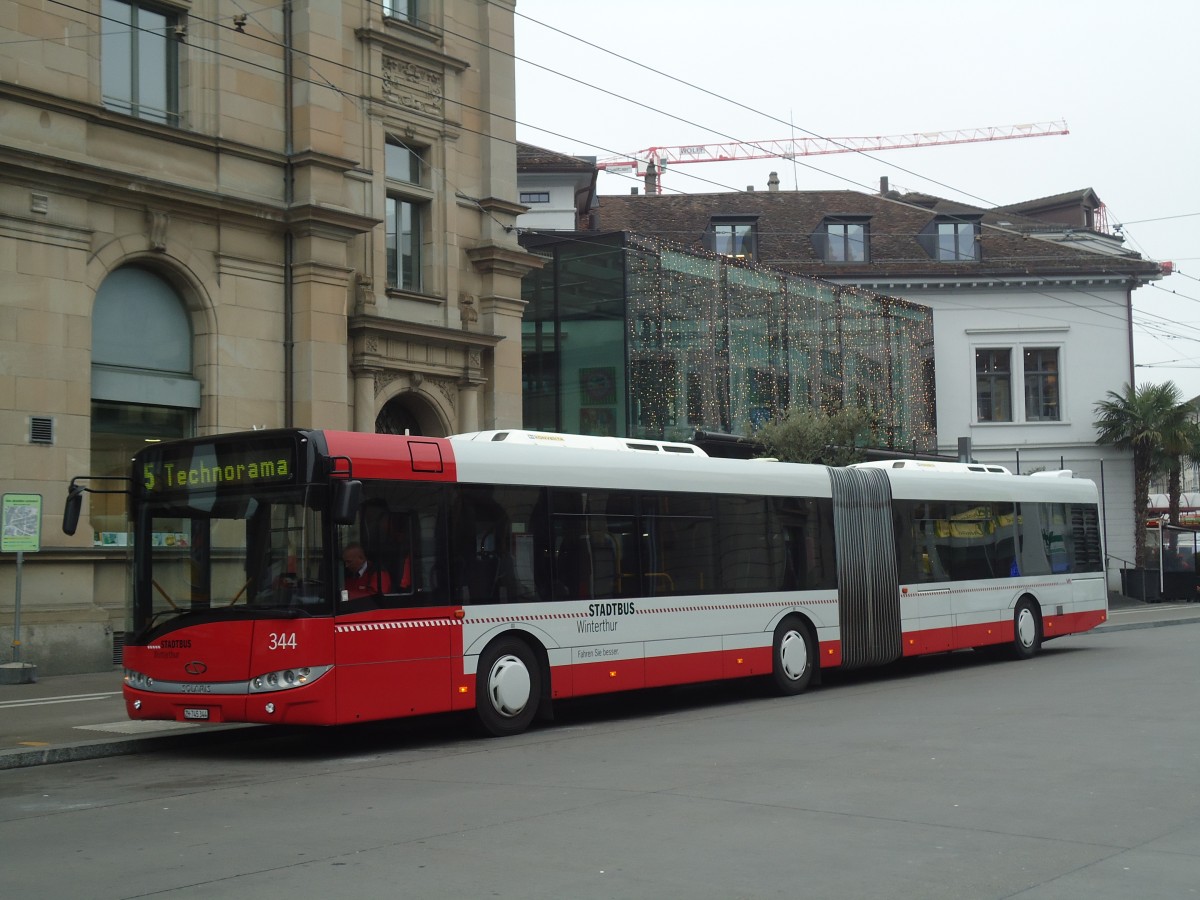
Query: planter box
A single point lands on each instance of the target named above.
(1141, 584)
(1180, 586)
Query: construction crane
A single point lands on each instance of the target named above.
(662, 157)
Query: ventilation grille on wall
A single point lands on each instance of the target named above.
(41, 430)
(118, 647)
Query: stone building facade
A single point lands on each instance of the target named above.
(213, 220)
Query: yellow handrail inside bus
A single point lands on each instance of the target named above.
(238, 595)
(165, 596)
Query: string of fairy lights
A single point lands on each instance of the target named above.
(725, 345)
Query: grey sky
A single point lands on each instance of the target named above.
(1122, 76)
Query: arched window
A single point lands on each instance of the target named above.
(142, 384)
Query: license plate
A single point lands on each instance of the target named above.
(195, 713)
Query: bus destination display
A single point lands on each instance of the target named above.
(210, 466)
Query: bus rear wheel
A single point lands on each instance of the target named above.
(794, 657)
(1027, 630)
(508, 686)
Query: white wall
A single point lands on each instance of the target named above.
(1089, 325)
(559, 213)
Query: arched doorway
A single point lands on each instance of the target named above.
(397, 418)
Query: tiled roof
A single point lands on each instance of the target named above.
(1084, 197)
(786, 221)
(531, 158)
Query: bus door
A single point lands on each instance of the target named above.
(396, 634)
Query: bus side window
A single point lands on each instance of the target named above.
(806, 525)
(494, 554)
(749, 544)
(399, 529)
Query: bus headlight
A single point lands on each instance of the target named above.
(284, 679)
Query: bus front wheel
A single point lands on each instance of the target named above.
(508, 686)
(794, 656)
(1027, 630)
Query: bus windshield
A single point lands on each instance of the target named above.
(218, 555)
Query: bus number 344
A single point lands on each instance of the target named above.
(281, 641)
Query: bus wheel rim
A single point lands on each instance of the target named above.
(793, 655)
(509, 686)
(1026, 628)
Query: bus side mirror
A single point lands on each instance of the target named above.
(71, 510)
(347, 495)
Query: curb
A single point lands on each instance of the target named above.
(1133, 626)
(85, 750)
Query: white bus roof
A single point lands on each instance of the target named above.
(933, 465)
(578, 441)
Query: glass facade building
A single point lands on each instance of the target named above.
(625, 337)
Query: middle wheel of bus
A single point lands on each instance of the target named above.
(508, 687)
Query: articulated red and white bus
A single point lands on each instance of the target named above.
(324, 577)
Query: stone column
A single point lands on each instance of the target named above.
(364, 400)
(468, 407)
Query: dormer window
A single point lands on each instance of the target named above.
(843, 239)
(952, 238)
(733, 237)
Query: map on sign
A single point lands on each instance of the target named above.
(22, 531)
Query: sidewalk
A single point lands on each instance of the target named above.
(64, 718)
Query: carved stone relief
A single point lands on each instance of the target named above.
(156, 226)
(385, 378)
(448, 389)
(414, 87)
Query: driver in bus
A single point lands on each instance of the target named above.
(362, 577)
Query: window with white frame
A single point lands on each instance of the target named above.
(993, 384)
(1040, 366)
(139, 60)
(406, 214)
(995, 378)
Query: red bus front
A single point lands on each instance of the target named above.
(243, 610)
(268, 670)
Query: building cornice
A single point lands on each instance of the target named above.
(361, 326)
(985, 283)
(493, 259)
(130, 125)
(328, 220)
(412, 43)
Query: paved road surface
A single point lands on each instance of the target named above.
(1073, 775)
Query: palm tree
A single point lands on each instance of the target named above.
(1146, 421)
(1180, 440)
